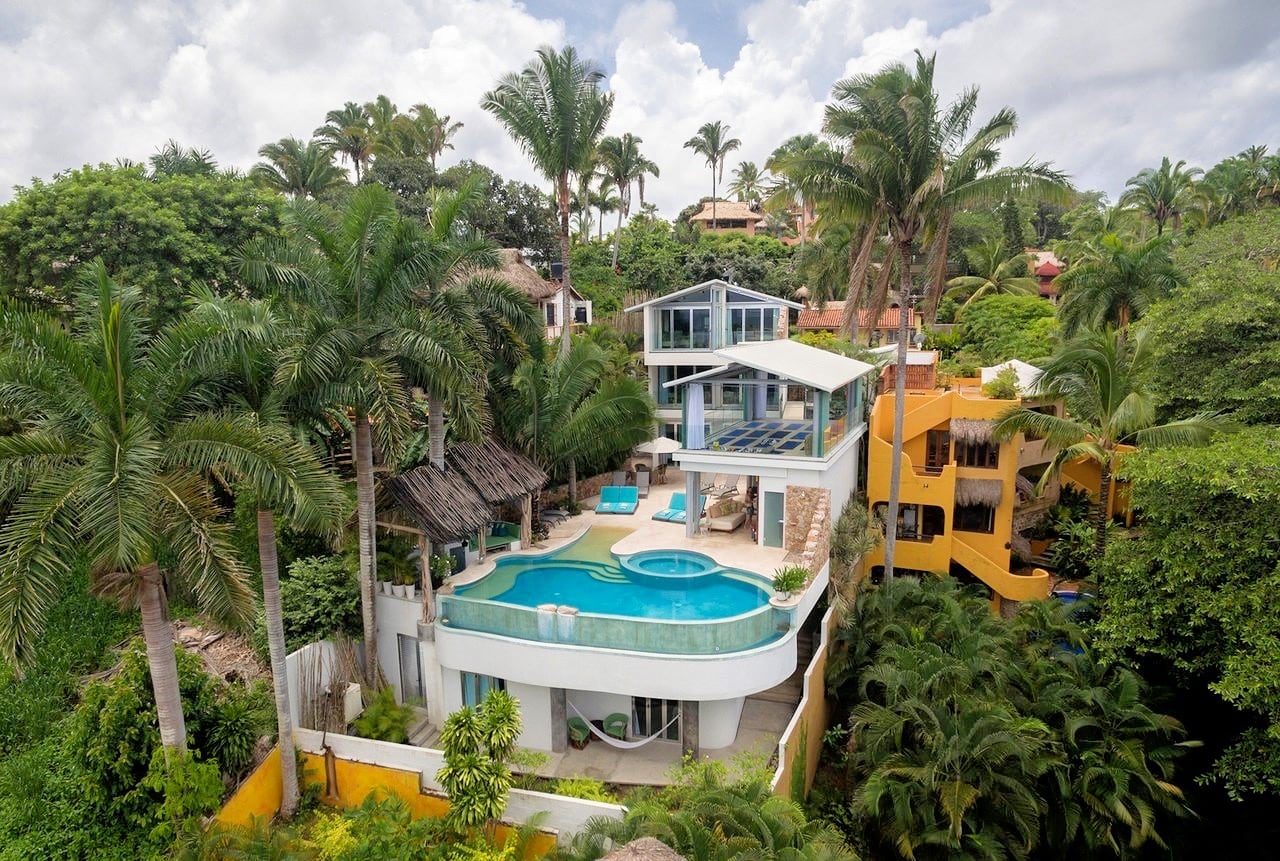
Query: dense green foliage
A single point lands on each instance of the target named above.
(1196, 587)
(477, 745)
(384, 719)
(1215, 339)
(999, 328)
(320, 597)
(975, 737)
(159, 233)
(653, 258)
(710, 814)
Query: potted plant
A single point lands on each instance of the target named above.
(441, 568)
(384, 579)
(410, 583)
(790, 579)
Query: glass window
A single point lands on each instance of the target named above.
(984, 455)
(700, 329)
(770, 328)
(975, 518)
(475, 686)
(753, 324)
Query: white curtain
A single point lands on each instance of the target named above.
(696, 436)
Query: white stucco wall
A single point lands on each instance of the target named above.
(718, 722)
(395, 616)
(597, 705)
(535, 713)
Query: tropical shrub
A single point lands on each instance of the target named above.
(477, 746)
(999, 328)
(586, 788)
(790, 578)
(320, 596)
(384, 719)
(1004, 387)
(972, 736)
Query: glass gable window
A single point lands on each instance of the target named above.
(752, 324)
(684, 329)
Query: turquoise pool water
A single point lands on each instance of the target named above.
(669, 584)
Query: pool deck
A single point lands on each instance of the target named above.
(730, 549)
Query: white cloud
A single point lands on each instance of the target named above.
(1102, 89)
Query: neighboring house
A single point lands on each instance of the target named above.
(965, 500)
(829, 316)
(781, 414)
(682, 331)
(730, 215)
(1046, 267)
(547, 295)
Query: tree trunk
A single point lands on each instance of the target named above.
(435, 430)
(1100, 517)
(368, 554)
(899, 410)
(566, 305)
(617, 237)
(279, 669)
(713, 196)
(428, 589)
(573, 481)
(161, 659)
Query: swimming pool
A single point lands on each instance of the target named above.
(671, 585)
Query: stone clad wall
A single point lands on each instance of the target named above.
(807, 531)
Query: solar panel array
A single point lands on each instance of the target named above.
(765, 436)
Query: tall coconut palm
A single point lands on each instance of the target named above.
(995, 271)
(346, 131)
(173, 159)
(434, 130)
(748, 182)
(297, 169)
(713, 143)
(253, 337)
(910, 164)
(352, 284)
(569, 412)
(1163, 193)
(1100, 376)
(555, 112)
(1116, 284)
(620, 163)
(112, 466)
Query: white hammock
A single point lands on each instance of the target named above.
(610, 740)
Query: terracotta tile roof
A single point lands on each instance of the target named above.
(1048, 270)
(832, 315)
(727, 210)
(1040, 256)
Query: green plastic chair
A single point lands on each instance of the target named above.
(579, 732)
(616, 725)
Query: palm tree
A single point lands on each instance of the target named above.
(786, 193)
(748, 182)
(555, 112)
(621, 163)
(1116, 284)
(712, 143)
(112, 466)
(173, 159)
(994, 272)
(314, 501)
(352, 284)
(1100, 376)
(346, 132)
(604, 199)
(383, 114)
(434, 130)
(297, 169)
(1163, 193)
(569, 412)
(910, 164)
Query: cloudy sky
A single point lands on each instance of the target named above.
(1103, 88)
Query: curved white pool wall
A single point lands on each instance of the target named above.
(608, 678)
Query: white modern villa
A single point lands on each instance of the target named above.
(683, 330)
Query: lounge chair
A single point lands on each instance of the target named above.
(710, 483)
(674, 507)
(619, 477)
(618, 500)
(579, 732)
(642, 482)
(728, 487)
(616, 725)
(679, 516)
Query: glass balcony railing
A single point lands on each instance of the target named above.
(659, 636)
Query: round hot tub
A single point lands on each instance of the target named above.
(669, 563)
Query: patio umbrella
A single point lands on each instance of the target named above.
(655, 447)
(644, 849)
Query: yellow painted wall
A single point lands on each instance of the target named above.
(813, 724)
(259, 796)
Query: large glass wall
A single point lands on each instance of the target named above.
(684, 329)
(752, 324)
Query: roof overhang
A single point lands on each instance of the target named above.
(717, 282)
(788, 360)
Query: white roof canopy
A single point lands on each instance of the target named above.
(788, 360)
(717, 282)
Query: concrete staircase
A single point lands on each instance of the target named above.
(422, 733)
(791, 690)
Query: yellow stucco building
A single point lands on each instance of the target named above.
(964, 498)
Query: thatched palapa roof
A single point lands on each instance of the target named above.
(644, 849)
(499, 474)
(453, 503)
(520, 275)
(442, 502)
(972, 430)
(979, 491)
